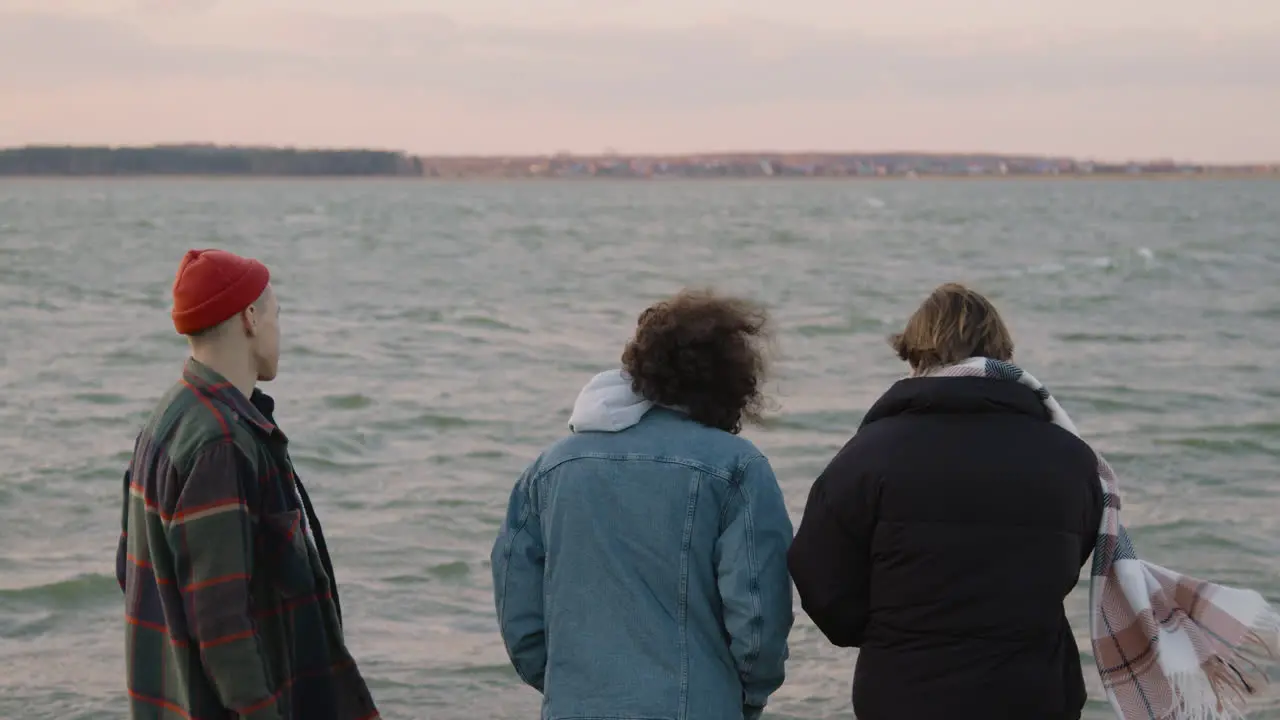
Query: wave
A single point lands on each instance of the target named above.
(488, 323)
(421, 314)
(70, 593)
(850, 326)
(431, 421)
(355, 401)
(1106, 399)
(304, 351)
(310, 462)
(1122, 338)
(1269, 429)
(100, 398)
(444, 571)
(1229, 446)
(821, 421)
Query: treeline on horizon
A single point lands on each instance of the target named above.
(231, 161)
(203, 160)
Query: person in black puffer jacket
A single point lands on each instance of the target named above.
(943, 538)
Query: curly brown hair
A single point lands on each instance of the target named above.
(704, 354)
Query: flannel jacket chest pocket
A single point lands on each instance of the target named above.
(285, 553)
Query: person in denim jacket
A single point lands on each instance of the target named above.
(641, 570)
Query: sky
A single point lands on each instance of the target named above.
(1104, 79)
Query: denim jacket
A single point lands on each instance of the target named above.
(640, 573)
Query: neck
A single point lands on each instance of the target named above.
(237, 368)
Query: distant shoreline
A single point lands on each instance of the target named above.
(463, 180)
(213, 161)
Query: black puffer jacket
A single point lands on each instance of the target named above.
(941, 541)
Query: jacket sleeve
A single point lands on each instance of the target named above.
(313, 522)
(122, 549)
(211, 533)
(751, 570)
(830, 559)
(1093, 519)
(518, 558)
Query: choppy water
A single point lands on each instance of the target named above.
(436, 335)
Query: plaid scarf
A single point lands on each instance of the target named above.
(1168, 646)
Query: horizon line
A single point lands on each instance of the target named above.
(612, 153)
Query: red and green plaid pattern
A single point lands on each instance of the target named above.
(229, 610)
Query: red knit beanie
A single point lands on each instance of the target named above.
(212, 286)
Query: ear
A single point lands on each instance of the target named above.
(249, 319)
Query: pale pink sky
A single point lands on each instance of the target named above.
(1192, 79)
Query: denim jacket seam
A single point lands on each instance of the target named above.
(739, 473)
(753, 588)
(718, 472)
(608, 717)
(682, 708)
(735, 485)
(525, 514)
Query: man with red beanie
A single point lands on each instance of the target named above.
(230, 600)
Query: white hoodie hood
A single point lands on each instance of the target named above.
(607, 404)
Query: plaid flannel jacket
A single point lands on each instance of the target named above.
(230, 610)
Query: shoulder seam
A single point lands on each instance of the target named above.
(736, 485)
(740, 471)
(215, 407)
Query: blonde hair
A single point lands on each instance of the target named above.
(953, 324)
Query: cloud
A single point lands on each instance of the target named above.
(730, 63)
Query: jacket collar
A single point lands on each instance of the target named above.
(956, 396)
(256, 410)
